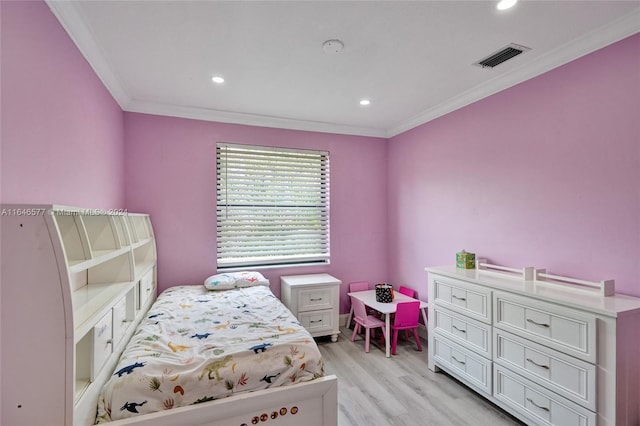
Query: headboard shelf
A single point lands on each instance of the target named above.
(81, 279)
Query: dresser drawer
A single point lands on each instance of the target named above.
(564, 329)
(311, 299)
(317, 321)
(472, 334)
(536, 402)
(570, 377)
(471, 367)
(102, 344)
(462, 297)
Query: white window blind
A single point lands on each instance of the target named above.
(272, 206)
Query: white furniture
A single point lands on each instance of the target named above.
(75, 282)
(548, 353)
(70, 279)
(369, 299)
(315, 300)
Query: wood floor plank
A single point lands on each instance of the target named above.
(374, 390)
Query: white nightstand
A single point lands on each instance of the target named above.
(315, 300)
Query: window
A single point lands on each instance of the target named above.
(272, 206)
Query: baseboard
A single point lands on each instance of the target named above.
(342, 321)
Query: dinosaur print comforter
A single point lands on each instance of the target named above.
(196, 345)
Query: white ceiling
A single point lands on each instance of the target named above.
(413, 60)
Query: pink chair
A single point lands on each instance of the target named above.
(407, 314)
(354, 287)
(407, 291)
(363, 320)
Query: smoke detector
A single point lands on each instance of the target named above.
(332, 46)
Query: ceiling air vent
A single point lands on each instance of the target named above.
(502, 55)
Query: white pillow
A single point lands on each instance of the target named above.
(229, 280)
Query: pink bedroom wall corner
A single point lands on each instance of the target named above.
(62, 132)
(544, 174)
(170, 173)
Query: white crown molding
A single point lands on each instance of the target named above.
(590, 42)
(250, 119)
(71, 21)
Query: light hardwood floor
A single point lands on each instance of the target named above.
(401, 390)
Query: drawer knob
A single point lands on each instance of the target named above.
(546, 367)
(459, 329)
(458, 361)
(538, 323)
(538, 406)
(316, 299)
(459, 298)
(315, 321)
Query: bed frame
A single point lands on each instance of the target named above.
(75, 284)
(310, 403)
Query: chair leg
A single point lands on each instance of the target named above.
(349, 318)
(366, 339)
(355, 332)
(395, 342)
(415, 334)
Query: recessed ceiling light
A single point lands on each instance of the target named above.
(506, 4)
(217, 79)
(365, 102)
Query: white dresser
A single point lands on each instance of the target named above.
(547, 354)
(315, 300)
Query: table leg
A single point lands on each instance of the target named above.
(387, 345)
(424, 317)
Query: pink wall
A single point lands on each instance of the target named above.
(544, 174)
(62, 132)
(170, 173)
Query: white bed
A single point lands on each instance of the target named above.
(94, 278)
(234, 356)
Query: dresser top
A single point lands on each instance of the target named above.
(310, 279)
(613, 306)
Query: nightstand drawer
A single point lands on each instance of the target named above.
(538, 403)
(568, 376)
(558, 327)
(312, 299)
(465, 298)
(475, 369)
(463, 330)
(316, 321)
